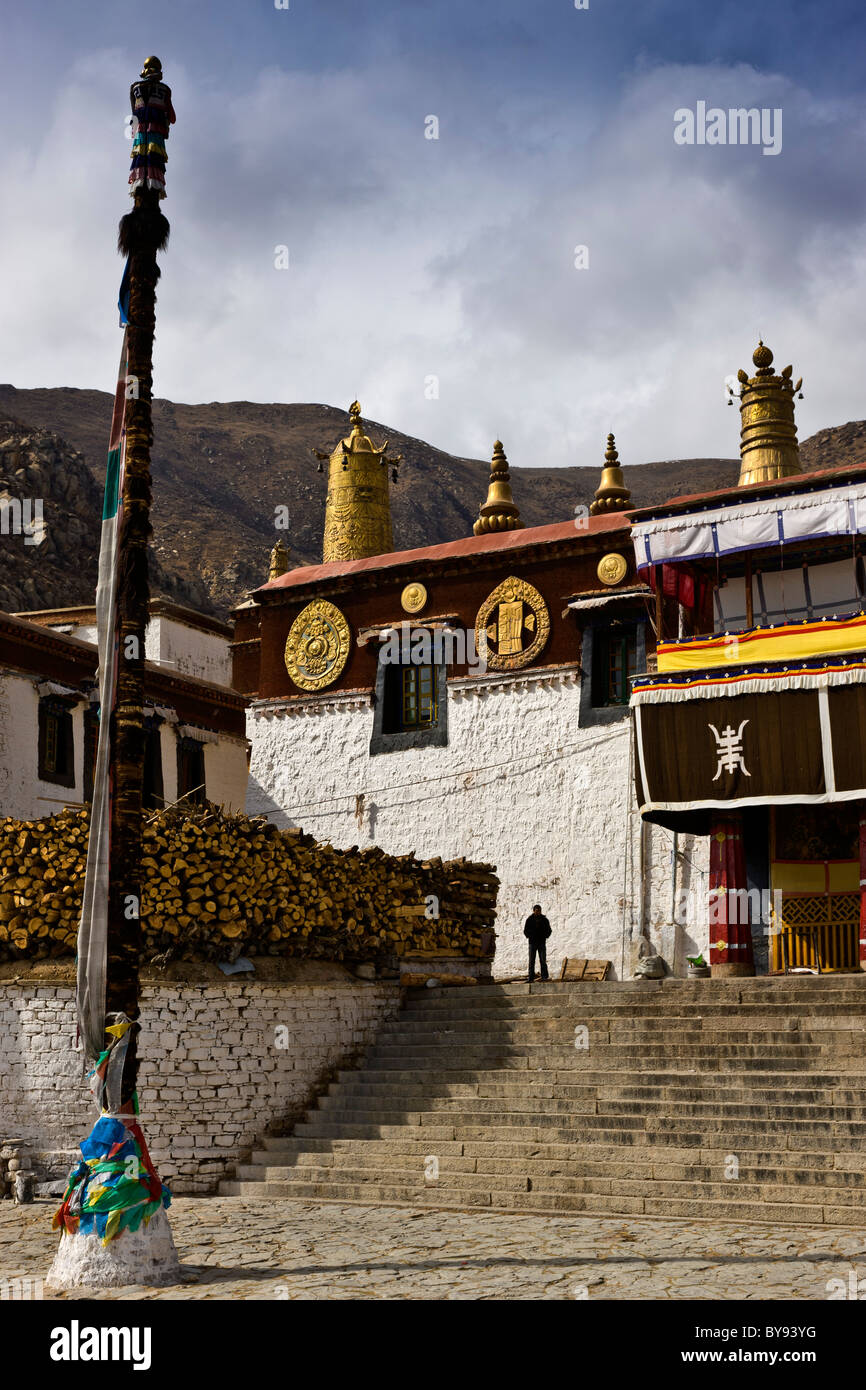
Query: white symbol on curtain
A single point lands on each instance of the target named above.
(729, 749)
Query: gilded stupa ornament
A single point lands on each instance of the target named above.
(279, 562)
(512, 625)
(611, 495)
(318, 645)
(768, 434)
(499, 512)
(358, 508)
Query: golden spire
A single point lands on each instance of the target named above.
(768, 434)
(358, 509)
(612, 495)
(499, 512)
(279, 560)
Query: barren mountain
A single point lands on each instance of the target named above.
(48, 558)
(220, 471)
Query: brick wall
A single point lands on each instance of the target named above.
(221, 1064)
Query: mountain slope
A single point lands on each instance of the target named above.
(220, 470)
(37, 466)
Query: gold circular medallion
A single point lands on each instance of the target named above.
(612, 568)
(317, 647)
(512, 625)
(413, 598)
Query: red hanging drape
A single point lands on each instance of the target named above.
(730, 922)
(863, 885)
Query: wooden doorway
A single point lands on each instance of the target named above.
(815, 888)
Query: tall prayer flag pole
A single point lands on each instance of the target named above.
(113, 1223)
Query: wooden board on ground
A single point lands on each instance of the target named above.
(574, 969)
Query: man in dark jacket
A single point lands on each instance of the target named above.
(536, 931)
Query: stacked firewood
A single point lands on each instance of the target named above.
(217, 885)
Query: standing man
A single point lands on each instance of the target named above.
(536, 931)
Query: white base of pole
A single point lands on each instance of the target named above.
(146, 1256)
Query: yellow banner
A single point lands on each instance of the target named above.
(816, 876)
(792, 642)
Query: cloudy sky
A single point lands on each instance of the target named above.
(412, 258)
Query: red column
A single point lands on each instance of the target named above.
(730, 917)
(863, 885)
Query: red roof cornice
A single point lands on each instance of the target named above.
(453, 556)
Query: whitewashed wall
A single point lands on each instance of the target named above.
(215, 1074)
(22, 793)
(188, 651)
(520, 785)
(25, 797)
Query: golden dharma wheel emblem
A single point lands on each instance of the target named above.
(413, 598)
(612, 568)
(317, 647)
(512, 625)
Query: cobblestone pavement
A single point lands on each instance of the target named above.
(234, 1248)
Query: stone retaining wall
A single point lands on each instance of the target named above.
(221, 1063)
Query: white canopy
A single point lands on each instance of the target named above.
(832, 511)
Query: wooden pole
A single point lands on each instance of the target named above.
(143, 232)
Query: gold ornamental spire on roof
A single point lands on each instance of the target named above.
(768, 434)
(500, 511)
(611, 495)
(358, 509)
(279, 563)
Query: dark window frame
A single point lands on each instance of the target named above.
(91, 739)
(152, 790)
(186, 747)
(56, 742)
(591, 650)
(390, 733)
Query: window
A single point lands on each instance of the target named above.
(411, 707)
(611, 653)
(419, 708)
(91, 739)
(190, 770)
(56, 748)
(151, 792)
(614, 660)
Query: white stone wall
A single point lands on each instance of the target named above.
(521, 785)
(214, 1073)
(225, 772)
(188, 650)
(22, 793)
(24, 796)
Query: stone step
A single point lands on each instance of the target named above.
(524, 1058)
(640, 1153)
(793, 989)
(266, 1163)
(733, 1191)
(720, 1089)
(564, 1203)
(634, 1034)
(586, 1076)
(653, 1012)
(575, 1129)
(479, 1106)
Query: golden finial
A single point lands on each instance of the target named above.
(611, 495)
(358, 509)
(279, 560)
(499, 512)
(768, 434)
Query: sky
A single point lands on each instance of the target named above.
(438, 280)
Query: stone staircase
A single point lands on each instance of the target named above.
(733, 1099)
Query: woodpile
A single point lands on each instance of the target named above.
(217, 885)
